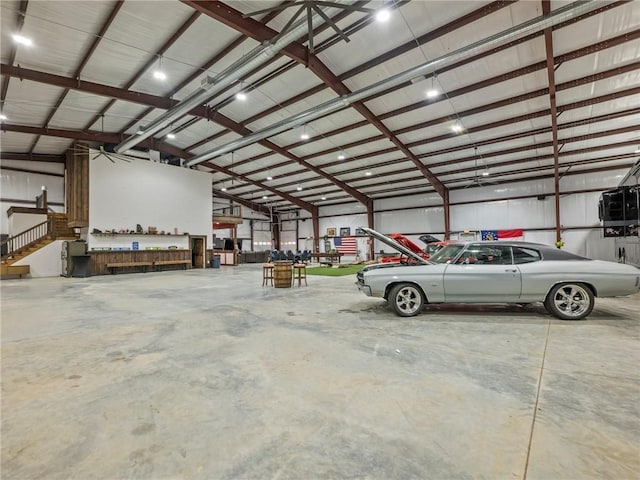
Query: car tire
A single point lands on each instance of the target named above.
(570, 301)
(406, 299)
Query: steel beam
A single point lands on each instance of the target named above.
(161, 102)
(548, 45)
(22, 11)
(296, 51)
(428, 37)
(148, 143)
(96, 41)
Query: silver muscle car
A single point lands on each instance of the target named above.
(497, 272)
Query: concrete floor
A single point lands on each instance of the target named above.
(206, 374)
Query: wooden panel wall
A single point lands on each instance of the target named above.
(77, 185)
(99, 259)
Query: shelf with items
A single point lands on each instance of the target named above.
(123, 242)
(140, 234)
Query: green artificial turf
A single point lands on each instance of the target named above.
(335, 272)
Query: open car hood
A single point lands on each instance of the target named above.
(393, 244)
(428, 239)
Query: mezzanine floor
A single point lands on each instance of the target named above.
(206, 374)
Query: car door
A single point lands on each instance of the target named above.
(483, 273)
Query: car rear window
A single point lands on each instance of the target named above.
(525, 255)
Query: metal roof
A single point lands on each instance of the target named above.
(89, 75)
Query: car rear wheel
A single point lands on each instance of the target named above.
(570, 301)
(406, 299)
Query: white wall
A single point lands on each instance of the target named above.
(24, 187)
(20, 222)
(45, 262)
(123, 194)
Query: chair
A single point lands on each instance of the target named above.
(267, 273)
(299, 274)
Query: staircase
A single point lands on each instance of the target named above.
(25, 243)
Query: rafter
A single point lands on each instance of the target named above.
(630, 36)
(300, 54)
(574, 105)
(430, 36)
(152, 59)
(151, 143)
(96, 41)
(22, 11)
(161, 102)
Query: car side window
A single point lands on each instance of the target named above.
(525, 255)
(492, 254)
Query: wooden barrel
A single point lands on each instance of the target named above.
(282, 274)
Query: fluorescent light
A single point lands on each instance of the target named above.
(341, 156)
(636, 151)
(433, 93)
(170, 136)
(264, 197)
(485, 173)
(457, 128)
(383, 15)
(241, 96)
(159, 75)
(3, 117)
(224, 189)
(22, 40)
(368, 174)
(298, 188)
(323, 198)
(269, 177)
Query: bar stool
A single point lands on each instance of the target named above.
(299, 273)
(267, 273)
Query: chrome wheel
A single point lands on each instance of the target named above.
(570, 301)
(406, 299)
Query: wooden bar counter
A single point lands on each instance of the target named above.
(147, 260)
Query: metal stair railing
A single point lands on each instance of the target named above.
(28, 238)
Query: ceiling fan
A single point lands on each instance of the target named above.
(483, 178)
(100, 151)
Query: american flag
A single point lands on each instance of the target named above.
(346, 245)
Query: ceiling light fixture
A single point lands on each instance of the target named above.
(433, 91)
(22, 40)
(368, 174)
(241, 95)
(636, 151)
(298, 188)
(158, 74)
(383, 15)
(486, 173)
(456, 127)
(2, 117)
(341, 156)
(269, 177)
(264, 197)
(304, 135)
(323, 198)
(170, 136)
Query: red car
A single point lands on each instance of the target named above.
(433, 245)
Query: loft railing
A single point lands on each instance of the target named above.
(230, 211)
(28, 238)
